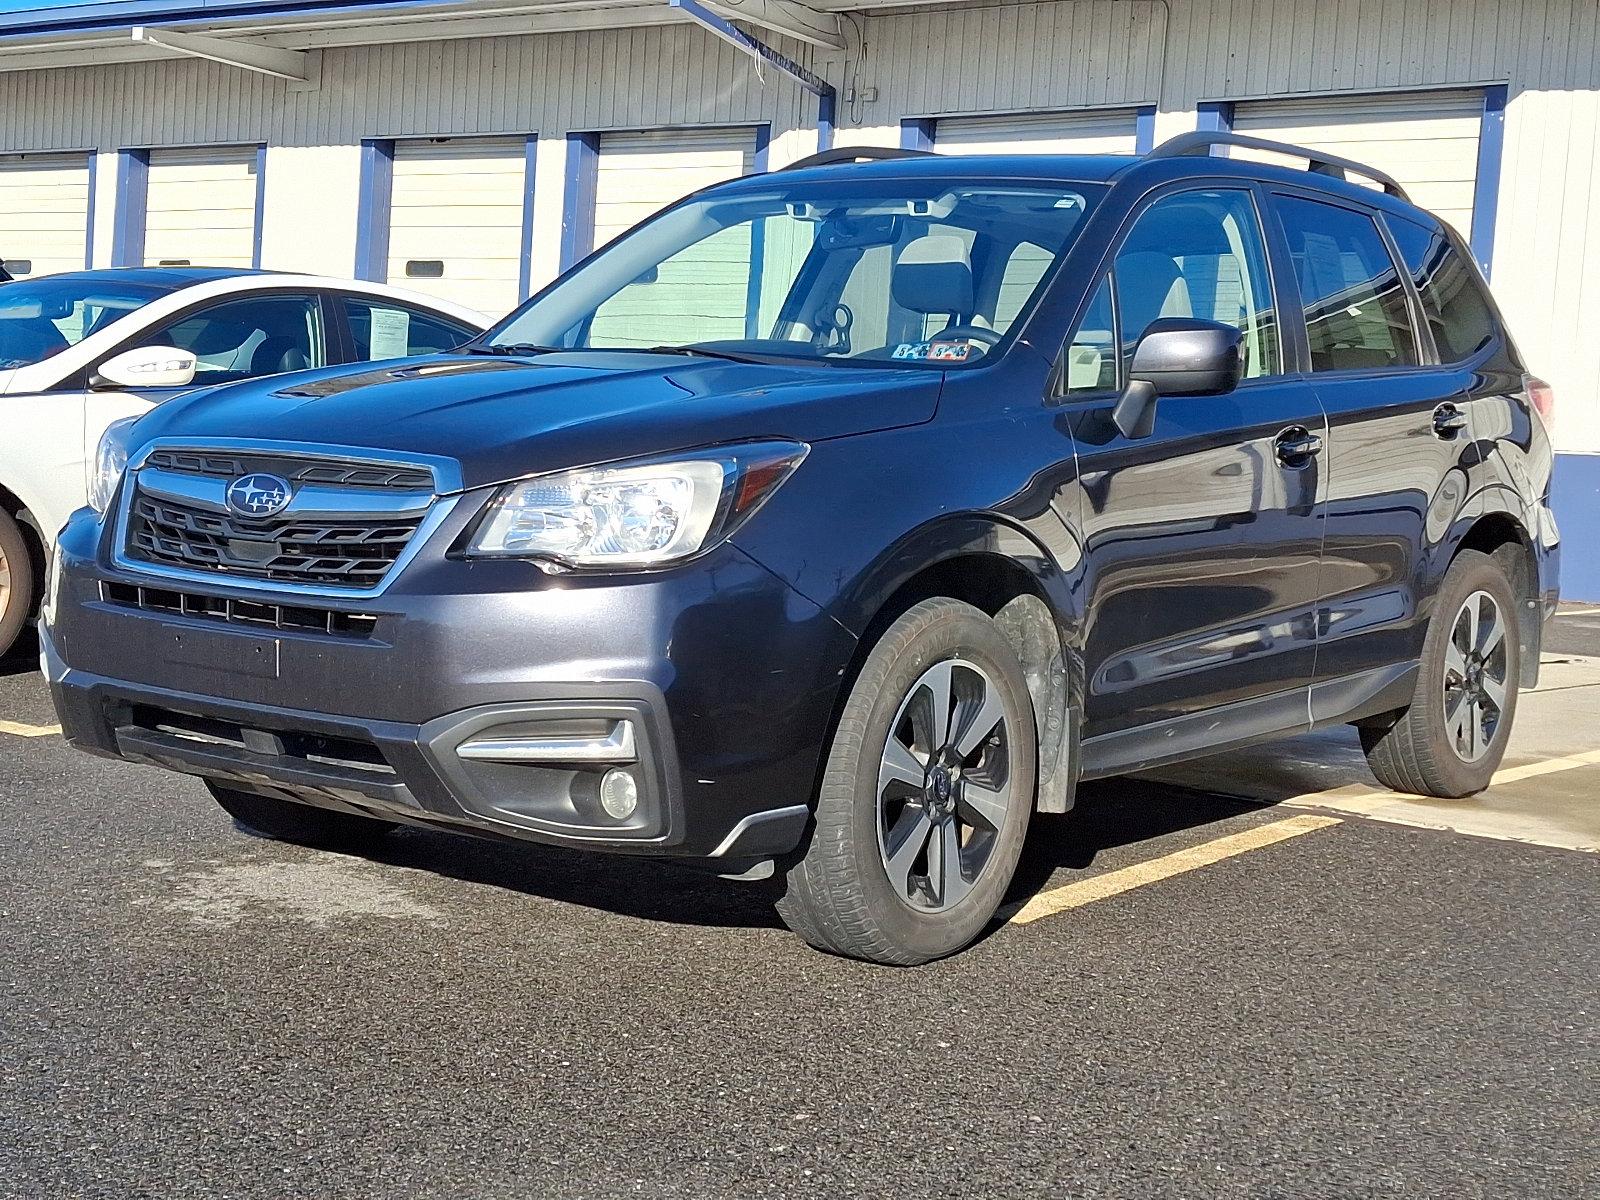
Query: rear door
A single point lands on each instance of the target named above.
(1203, 539)
(1398, 438)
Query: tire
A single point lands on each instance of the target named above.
(300, 823)
(1449, 742)
(17, 584)
(842, 895)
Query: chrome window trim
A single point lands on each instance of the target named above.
(447, 486)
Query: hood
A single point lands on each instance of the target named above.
(501, 418)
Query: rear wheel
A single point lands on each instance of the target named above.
(1451, 739)
(926, 797)
(290, 822)
(16, 582)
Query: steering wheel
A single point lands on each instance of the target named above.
(969, 333)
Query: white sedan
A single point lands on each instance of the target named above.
(83, 349)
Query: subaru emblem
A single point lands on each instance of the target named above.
(258, 495)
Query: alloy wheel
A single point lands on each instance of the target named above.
(944, 785)
(5, 581)
(1475, 683)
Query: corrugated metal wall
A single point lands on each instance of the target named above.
(623, 79)
(965, 58)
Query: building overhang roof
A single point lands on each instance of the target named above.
(273, 36)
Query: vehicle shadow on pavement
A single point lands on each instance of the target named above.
(650, 890)
(1109, 815)
(22, 658)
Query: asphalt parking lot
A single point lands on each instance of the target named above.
(1251, 977)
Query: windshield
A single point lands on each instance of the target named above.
(42, 317)
(905, 270)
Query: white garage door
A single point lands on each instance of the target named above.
(455, 220)
(642, 172)
(708, 284)
(1427, 140)
(1101, 132)
(200, 207)
(44, 213)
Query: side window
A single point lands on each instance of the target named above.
(385, 330)
(1092, 352)
(241, 339)
(1355, 302)
(1200, 254)
(1024, 269)
(1452, 294)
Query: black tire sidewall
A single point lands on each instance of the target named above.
(23, 590)
(964, 632)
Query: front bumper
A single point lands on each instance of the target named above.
(712, 685)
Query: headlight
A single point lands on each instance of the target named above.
(110, 460)
(634, 514)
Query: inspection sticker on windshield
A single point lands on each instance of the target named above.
(934, 351)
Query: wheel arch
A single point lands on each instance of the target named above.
(1004, 571)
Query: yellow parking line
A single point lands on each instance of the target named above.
(1548, 767)
(1358, 800)
(1577, 612)
(18, 730)
(1112, 883)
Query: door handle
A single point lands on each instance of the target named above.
(1448, 420)
(1297, 446)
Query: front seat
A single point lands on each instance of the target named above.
(277, 355)
(933, 276)
(1149, 285)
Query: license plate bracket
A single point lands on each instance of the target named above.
(223, 651)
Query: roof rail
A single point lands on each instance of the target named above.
(853, 154)
(1200, 142)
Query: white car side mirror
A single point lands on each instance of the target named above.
(148, 367)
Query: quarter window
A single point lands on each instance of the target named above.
(1452, 294)
(1092, 353)
(241, 339)
(1355, 303)
(395, 331)
(1200, 254)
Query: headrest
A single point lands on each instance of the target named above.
(1149, 285)
(934, 275)
(216, 337)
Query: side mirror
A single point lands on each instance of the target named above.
(147, 367)
(1178, 356)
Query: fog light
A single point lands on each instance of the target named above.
(619, 794)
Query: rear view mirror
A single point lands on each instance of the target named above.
(147, 367)
(1177, 356)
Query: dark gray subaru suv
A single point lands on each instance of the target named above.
(837, 519)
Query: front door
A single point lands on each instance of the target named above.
(1204, 538)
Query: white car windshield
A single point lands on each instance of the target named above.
(42, 317)
(892, 272)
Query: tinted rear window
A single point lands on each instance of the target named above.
(1452, 295)
(1355, 302)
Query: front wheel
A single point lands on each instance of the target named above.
(926, 796)
(1451, 739)
(16, 582)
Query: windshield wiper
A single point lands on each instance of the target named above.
(507, 349)
(702, 352)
